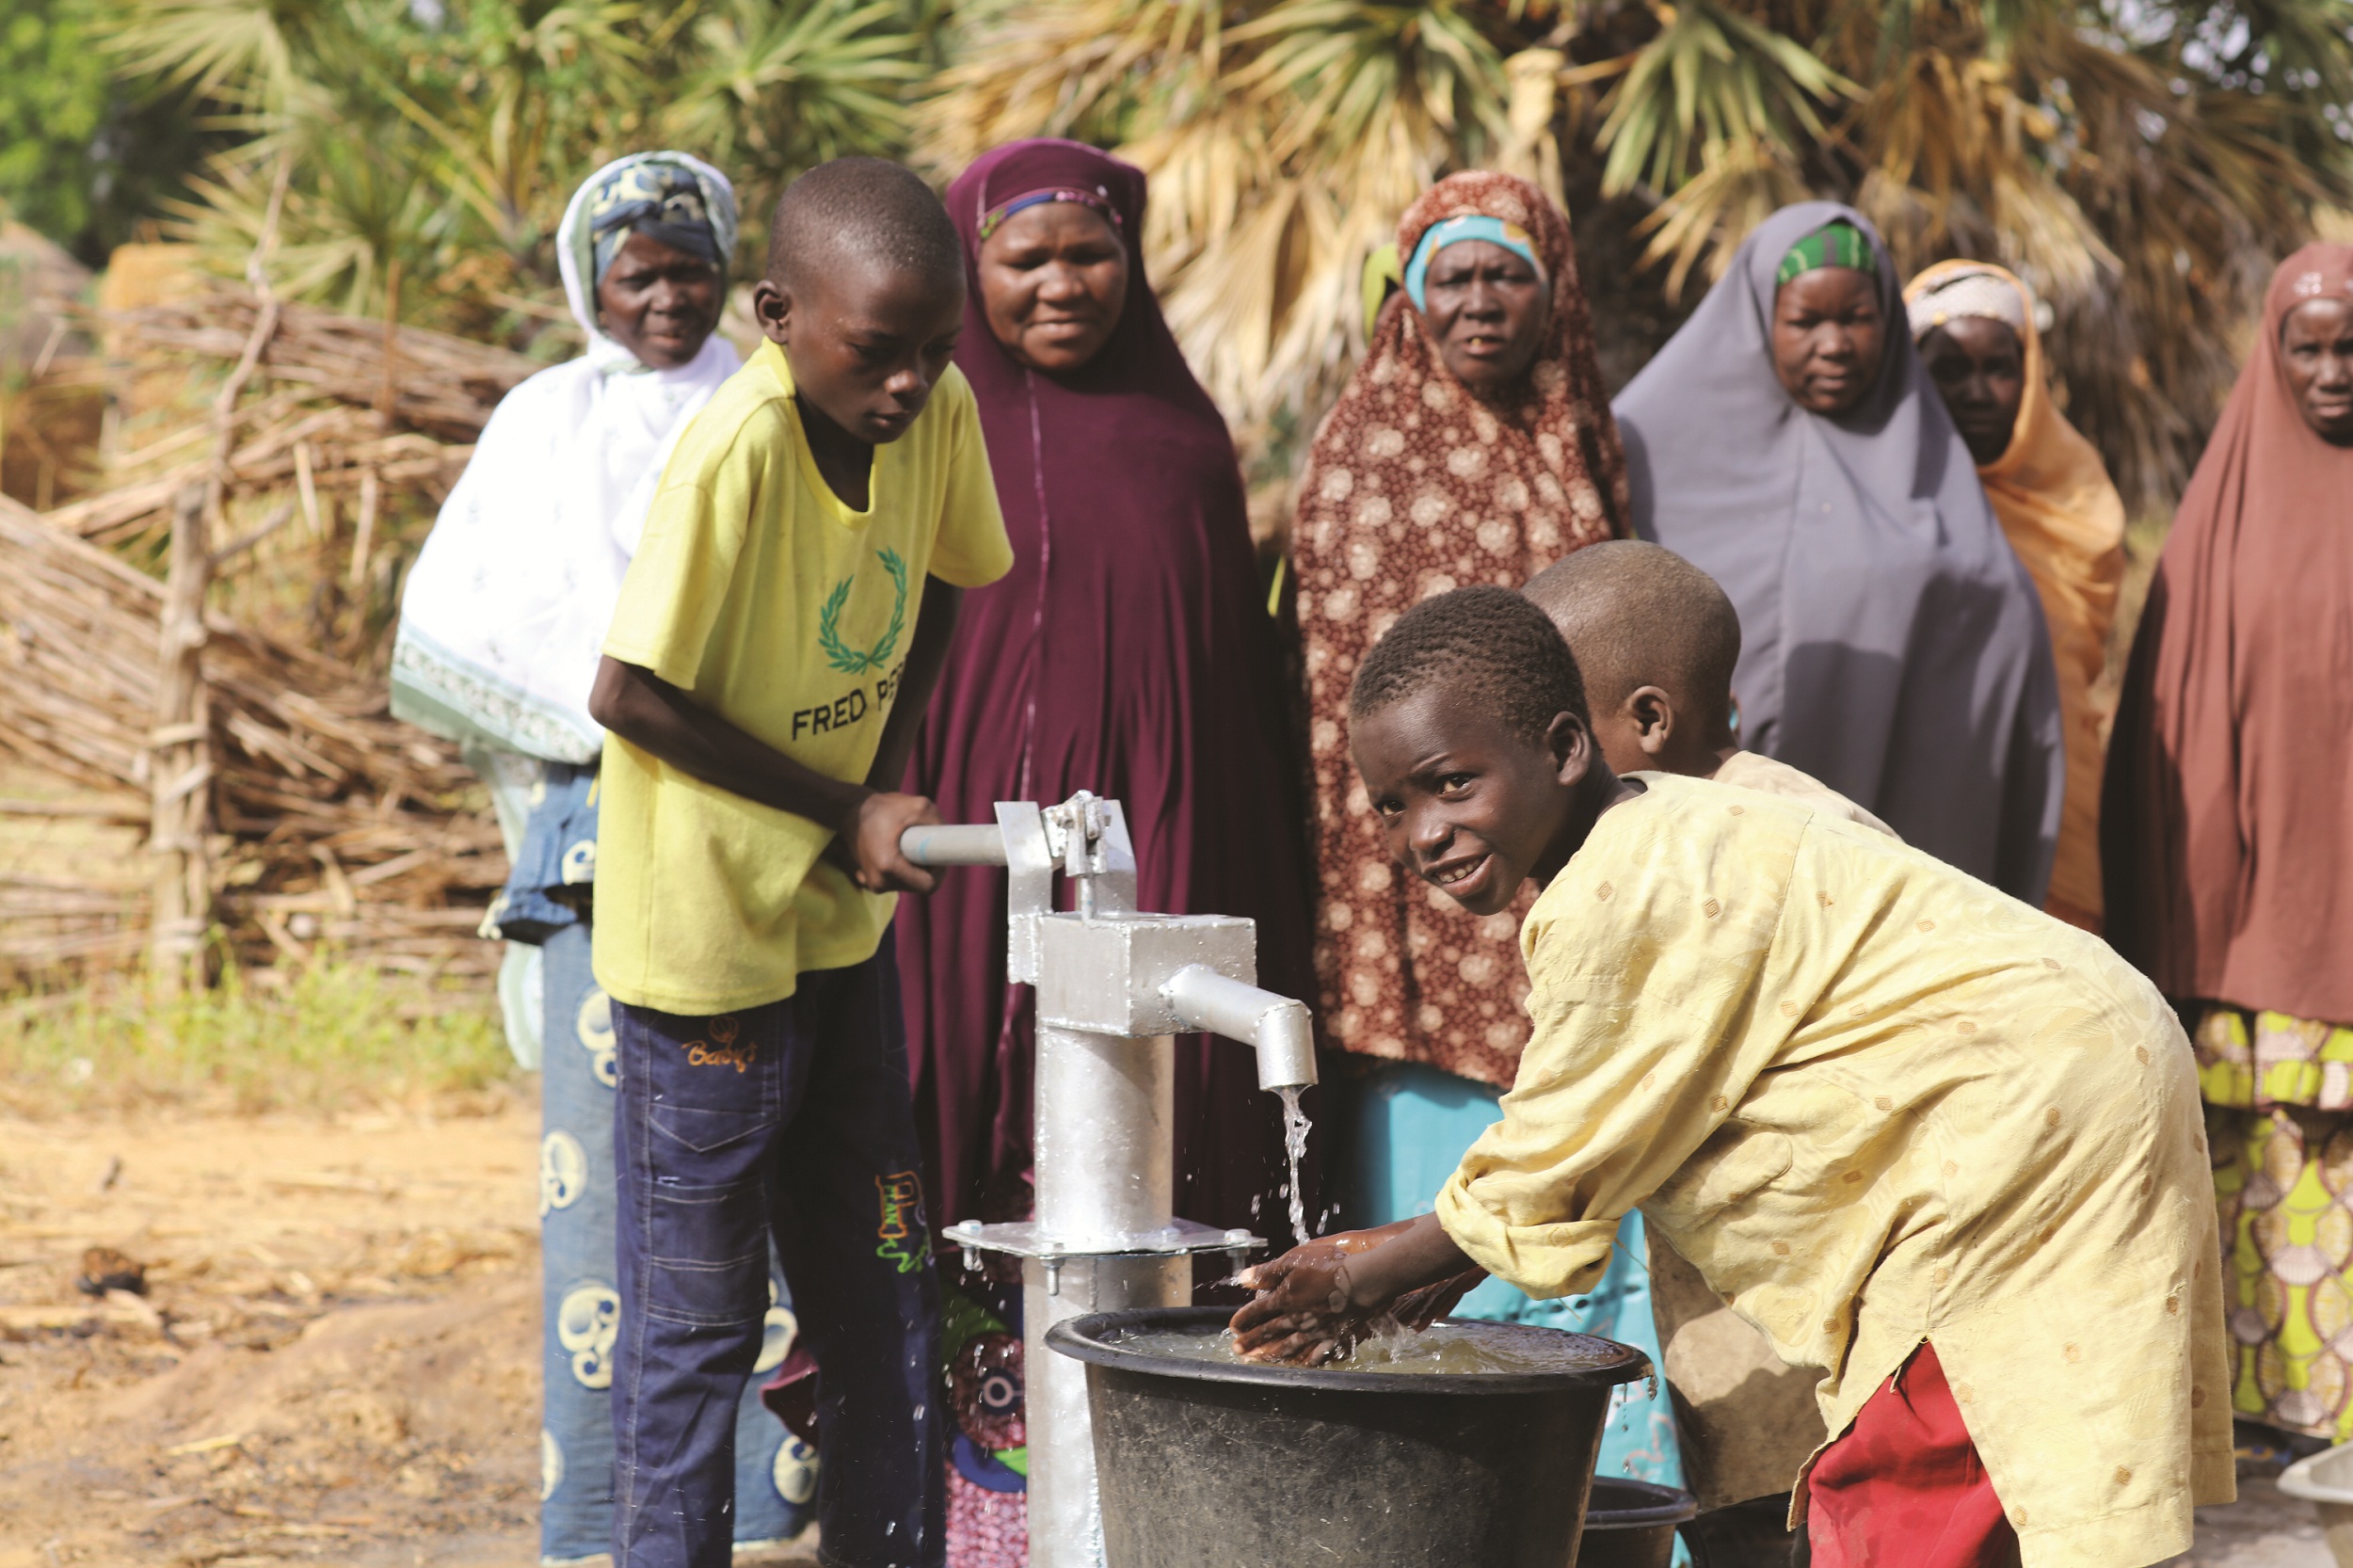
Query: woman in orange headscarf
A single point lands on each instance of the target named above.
(1976, 328)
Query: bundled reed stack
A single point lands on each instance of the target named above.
(196, 649)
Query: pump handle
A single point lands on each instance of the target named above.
(955, 845)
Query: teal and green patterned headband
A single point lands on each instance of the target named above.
(1833, 244)
(1454, 231)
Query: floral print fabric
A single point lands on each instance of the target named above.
(2277, 1089)
(1415, 488)
(2280, 1179)
(2253, 1061)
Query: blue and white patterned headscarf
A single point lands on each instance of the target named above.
(673, 197)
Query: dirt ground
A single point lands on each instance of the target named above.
(2264, 1529)
(335, 1357)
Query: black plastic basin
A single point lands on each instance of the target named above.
(1208, 1465)
(1631, 1524)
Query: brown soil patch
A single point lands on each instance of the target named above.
(335, 1359)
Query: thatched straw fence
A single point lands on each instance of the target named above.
(281, 810)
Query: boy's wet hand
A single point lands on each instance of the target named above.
(1308, 1308)
(871, 841)
(1419, 1309)
(1301, 1309)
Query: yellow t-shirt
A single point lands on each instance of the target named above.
(772, 604)
(1874, 1102)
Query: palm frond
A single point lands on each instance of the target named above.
(786, 87)
(213, 44)
(1711, 80)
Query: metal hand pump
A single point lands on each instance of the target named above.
(1113, 986)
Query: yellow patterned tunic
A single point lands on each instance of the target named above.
(2277, 1089)
(1873, 1101)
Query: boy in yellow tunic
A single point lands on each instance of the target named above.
(777, 635)
(1656, 641)
(1935, 1144)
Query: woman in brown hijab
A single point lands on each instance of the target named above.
(1473, 444)
(2228, 838)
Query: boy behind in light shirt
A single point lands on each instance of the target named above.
(1940, 1148)
(1656, 641)
(778, 634)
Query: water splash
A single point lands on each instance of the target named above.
(1295, 1146)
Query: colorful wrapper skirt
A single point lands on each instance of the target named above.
(2279, 1096)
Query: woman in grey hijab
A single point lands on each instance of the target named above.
(1788, 442)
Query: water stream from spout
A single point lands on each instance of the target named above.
(1295, 1146)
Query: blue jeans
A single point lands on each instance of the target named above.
(775, 1472)
(789, 1121)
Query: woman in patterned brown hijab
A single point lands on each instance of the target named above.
(1473, 444)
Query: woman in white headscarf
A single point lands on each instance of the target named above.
(505, 613)
(502, 624)
(1981, 346)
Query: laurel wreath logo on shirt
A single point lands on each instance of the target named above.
(855, 660)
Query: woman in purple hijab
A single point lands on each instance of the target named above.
(1129, 652)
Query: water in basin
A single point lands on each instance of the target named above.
(1444, 1347)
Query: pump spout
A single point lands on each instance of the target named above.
(1278, 1026)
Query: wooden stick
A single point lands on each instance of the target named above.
(181, 770)
(388, 391)
(364, 540)
(308, 489)
(277, 520)
(265, 328)
(94, 810)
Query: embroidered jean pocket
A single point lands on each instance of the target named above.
(706, 1239)
(706, 1253)
(707, 1132)
(714, 1292)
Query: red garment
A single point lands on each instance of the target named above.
(1127, 652)
(1903, 1487)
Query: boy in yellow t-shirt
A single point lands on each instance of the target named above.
(1941, 1149)
(779, 631)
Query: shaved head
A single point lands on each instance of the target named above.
(856, 214)
(1639, 615)
(1488, 647)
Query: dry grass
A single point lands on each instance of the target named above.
(323, 821)
(333, 1036)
